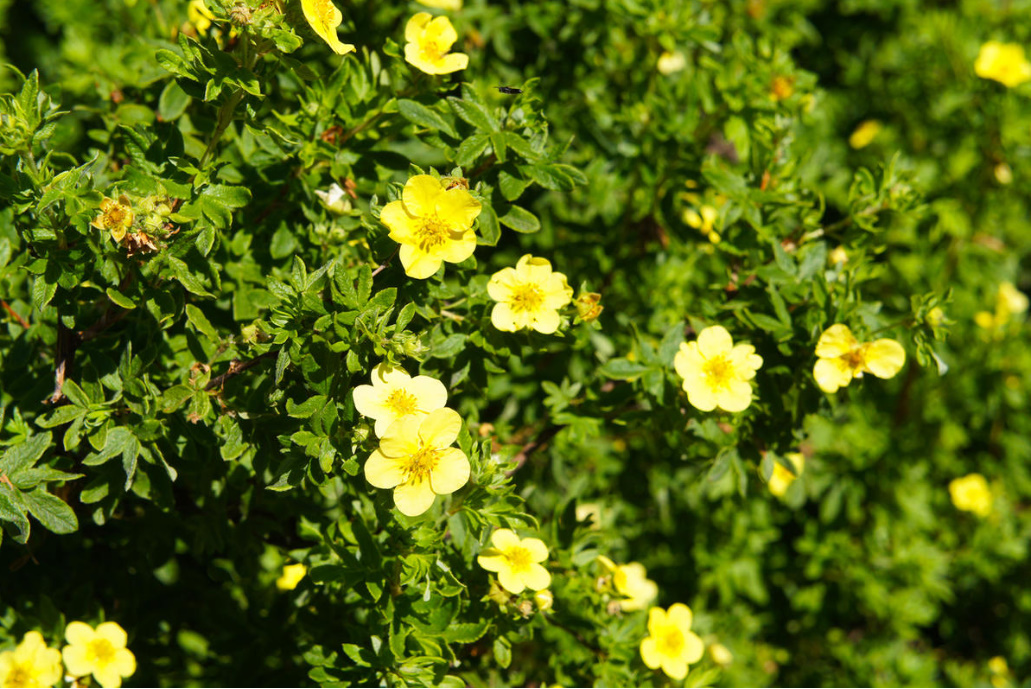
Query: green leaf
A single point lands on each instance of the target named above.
(173, 102)
(520, 220)
(490, 231)
(466, 632)
(200, 321)
(12, 511)
(471, 149)
(52, 512)
(473, 113)
(306, 408)
(417, 113)
(623, 369)
(549, 176)
(512, 187)
(449, 347)
(120, 299)
(23, 455)
(503, 651)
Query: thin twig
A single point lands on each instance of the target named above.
(383, 266)
(67, 343)
(530, 447)
(14, 314)
(236, 368)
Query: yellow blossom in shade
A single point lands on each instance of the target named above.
(865, 133)
(1003, 62)
(1003, 173)
(452, 5)
(324, 18)
(721, 655)
(971, 494)
(841, 358)
(432, 224)
(631, 580)
(199, 15)
(715, 372)
(516, 561)
(998, 666)
(528, 296)
(781, 477)
(782, 88)
(416, 459)
(292, 575)
(838, 256)
(428, 41)
(705, 221)
(31, 664)
(115, 216)
(395, 395)
(671, 63)
(670, 643)
(100, 652)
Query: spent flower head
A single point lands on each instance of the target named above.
(841, 357)
(416, 459)
(1004, 63)
(115, 216)
(100, 652)
(428, 41)
(31, 664)
(395, 395)
(529, 296)
(516, 561)
(324, 18)
(432, 224)
(670, 643)
(716, 372)
(971, 493)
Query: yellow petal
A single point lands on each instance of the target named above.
(414, 498)
(650, 653)
(107, 677)
(452, 62)
(537, 578)
(510, 581)
(503, 317)
(125, 662)
(688, 360)
(546, 322)
(884, 358)
(700, 394)
(417, 264)
(113, 633)
(836, 341)
(421, 195)
(538, 551)
(504, 539)
(831, 374)
(606, 563)
(440, 428)
(457, 250)
(451, 472)
(501, 284)
(674, 667)
(401, 439)
(383, 472)
(679, 615)
(75, 660)
(324, 18)
(416, 25)
(458, 208)
(492, 560)
(736, 397)
(714, 341)
(402, 224)
(78, 633)
(441, 32)
(656, 621)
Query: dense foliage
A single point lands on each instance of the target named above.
(624, 285)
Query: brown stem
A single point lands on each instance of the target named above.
(14, 314)
(67, 343)
(484, 166)
(383, 266)
(528, 449)
(236, 368)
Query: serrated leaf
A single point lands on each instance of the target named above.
(418, 113)
(520, 220)
(51, 511)
(466, 632)
(23, 455)
(474, 114)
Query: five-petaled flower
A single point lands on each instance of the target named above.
(670, 643)
(516, 561)
(1003, 62)
(100, 652)
(716, 372)
(428, 41)
(292, 575)
(631, 580)
(432, 224)
(31, 664)
(452, 5)
(781, 477)
(395, 395)
(115, 216)
(1009, 302)
(841, 358)
(416, 459)
(324, 18)
(971, 494)
(528, 296)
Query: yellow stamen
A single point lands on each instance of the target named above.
(519, 558)
(101, 651)
(527, 298)
(402, 403)
(432, 233)
(671, 643)
(419, 465)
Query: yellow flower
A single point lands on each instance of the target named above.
(31, 664)
(200, 16)
(99, 652)
(516, 561)
(971, 494)
(528, 296)
(706, 222)
(432, 225)
(670, 63)
(395, 395)
(428, 41)
(782, 88)
(416, 459)
(670, 643)
(1003, 62)
(324, 18)
(721, 655)
(715, 372)
(841, 358)
(781, 477)
(838, 255)
(632, 581)
(292, 575)
(998, 666)
(545, 600)
(453, 5)
(865, 133)
(115, 216)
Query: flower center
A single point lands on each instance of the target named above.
(432, 233)
(527, 298)
(856, 359)
(19, 676)
(402, 403)
(671, 642)
(420, 464)
(115, 215)
(519, 558)
(101, 652)
(433, 51)
(719, 371)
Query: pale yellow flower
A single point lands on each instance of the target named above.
(292, 575)
(704, 222)
(631, 580)
(782, 88)
(200, 16)
(395, 395)
(100, 652)
(781, 477)
(721, 655)
(1003, 62)
(516, 561)
(971, 494)
(997, 665)
(115, 216)
(865, 133)
(31, 664)
(428, 41)
(432, 224)
(670, 643)
(528, 296)
(838, 256)
(715, 372)
(670, 63)
(416, 459)
(1008, 302)
(324, 18)
(545, 600)
(841, 358)
(452, 5)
